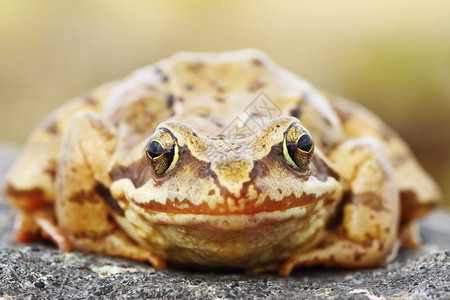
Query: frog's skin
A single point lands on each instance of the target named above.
(214, 199)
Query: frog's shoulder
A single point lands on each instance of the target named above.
(55, 123)
(35, 170)
(418, 192)
(358, 121)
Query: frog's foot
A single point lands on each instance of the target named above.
(31, 227)
(341, 253)
(410, 236)
(118, 244)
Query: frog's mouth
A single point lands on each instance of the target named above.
(232, 206)
(310, 198)
(232, 213)
(269, 213)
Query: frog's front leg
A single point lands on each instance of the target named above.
(81, 184)
(367, 234)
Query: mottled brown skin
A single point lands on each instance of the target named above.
(217, 198)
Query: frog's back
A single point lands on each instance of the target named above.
(214, 92)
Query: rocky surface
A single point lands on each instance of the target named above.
(41, 271)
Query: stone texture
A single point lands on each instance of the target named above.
(41, 271)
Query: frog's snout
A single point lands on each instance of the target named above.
(232, 173)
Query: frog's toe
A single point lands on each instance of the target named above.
(294, 261)
(156, 261)
(410, 236)
(32, 227)
(50, 230)
(25, 229)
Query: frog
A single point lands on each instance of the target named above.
(220, 160)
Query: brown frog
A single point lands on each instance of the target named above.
(220, 160)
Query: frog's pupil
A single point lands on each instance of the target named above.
(304, 143)
(155, 149)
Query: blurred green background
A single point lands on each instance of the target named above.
(391, 56)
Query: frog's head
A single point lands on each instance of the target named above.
(183, 172)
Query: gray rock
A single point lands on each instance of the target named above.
(41, 271)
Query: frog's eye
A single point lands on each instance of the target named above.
(298, 146)
(162, 152)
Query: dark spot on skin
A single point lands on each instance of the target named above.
(296, 111)
(219, 99)
(83, 196)
(157, 70)
(189, 87)
(181, 99)
(109, 199)
(279, 191)
(211, 192)
(278, 125)
(170, 100)
(194, 134)
(255, 85)
(165, 78)
(90, 100)
(52, 126)
(357, 256)
(195, 66)
(51, 172)
(371, 200)
(217, 86)
(257, 62)
(381, 246)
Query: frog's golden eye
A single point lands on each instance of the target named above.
(298, 146)
(162, 152)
